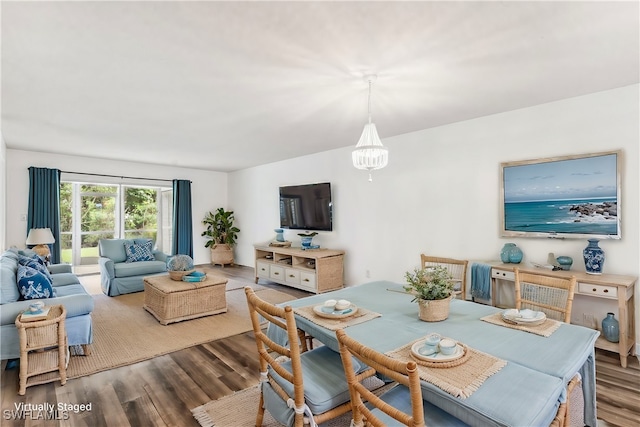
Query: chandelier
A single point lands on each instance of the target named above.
(370, 154)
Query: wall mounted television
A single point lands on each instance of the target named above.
(306, 207)
(562, 197)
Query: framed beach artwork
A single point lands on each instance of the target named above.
(562, 197)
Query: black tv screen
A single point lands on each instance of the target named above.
(306, 207)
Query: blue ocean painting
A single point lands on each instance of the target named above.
(573, 196)
(584, 216)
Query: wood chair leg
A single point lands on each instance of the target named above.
(260, 415)
(86, 349)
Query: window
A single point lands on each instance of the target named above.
(93, 211)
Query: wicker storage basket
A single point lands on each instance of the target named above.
(177, 275)
(434, 310)
(173, 302)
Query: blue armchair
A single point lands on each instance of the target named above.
(123, 274)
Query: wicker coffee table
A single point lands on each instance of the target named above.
(173, 300)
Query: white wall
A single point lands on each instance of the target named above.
(208, 189)
(440, 193)
(3, 192)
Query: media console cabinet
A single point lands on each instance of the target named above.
(312, 270)
(604, 286)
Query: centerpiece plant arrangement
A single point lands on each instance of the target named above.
(221, 234)
(432, 288)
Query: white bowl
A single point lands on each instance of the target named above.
(343, 304)
(447, 346)
(527, 314)
(36, 306)
(432, 339)
(330, 303)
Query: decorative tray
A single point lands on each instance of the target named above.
(196, 276)
(436, 357)
(331, 313)
(530, 318)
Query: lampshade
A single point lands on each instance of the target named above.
(40, 236)
(370, 154)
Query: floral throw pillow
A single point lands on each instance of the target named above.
(139, 252)
(33, 284)
(36, 262)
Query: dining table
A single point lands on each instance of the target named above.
(530, 370)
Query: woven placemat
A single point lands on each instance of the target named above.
(361, 316)
(544, 329)
(460, 381)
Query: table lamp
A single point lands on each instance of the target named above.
(41, 237)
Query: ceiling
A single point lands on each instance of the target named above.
(229, 85)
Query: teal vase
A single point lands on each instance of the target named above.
(510, 253)
(611, 328)
(515, 255)
(279, 234)
(504, 253)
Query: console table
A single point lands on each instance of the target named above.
(604, 286)
(312, 270)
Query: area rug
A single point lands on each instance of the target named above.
(241, 408)
(125, 333)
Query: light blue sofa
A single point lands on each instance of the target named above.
(68, 292)
(117, 276)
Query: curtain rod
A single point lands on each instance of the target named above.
(118, 176)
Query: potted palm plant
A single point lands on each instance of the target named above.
(221, 235)
(432, 288)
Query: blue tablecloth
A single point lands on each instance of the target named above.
(525, 392)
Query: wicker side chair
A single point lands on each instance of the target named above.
(563, 416)
(401, 403)
(296, 383)
(551, 295)
(457, 268)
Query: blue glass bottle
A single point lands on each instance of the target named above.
(611, 328)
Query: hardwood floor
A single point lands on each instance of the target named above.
(162, 391)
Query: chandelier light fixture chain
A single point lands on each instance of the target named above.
(370, 154)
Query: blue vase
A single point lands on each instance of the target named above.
(510, 253)
(515, 255)
(565, 262)
(306, 242)
(611, 328)
(279, 234)
(593, 257)
(504, 253)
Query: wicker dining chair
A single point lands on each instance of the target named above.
(401, 403)
(296, 383)
(563, 416)
(551, 295)
(457, 268)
